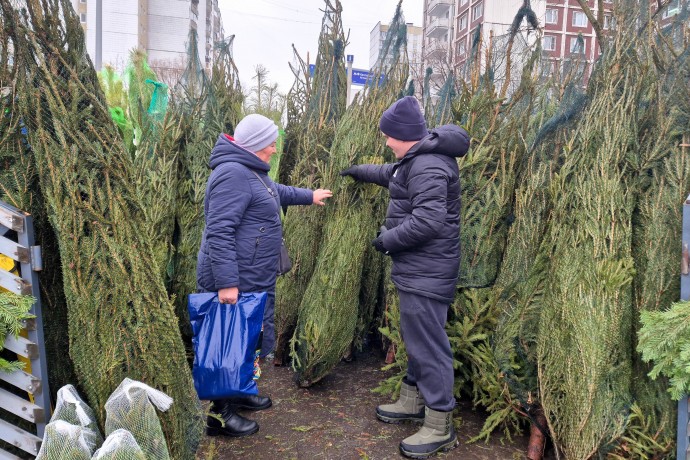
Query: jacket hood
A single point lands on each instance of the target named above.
(449, 140)
(226, 151)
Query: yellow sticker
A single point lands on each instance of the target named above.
(6, 263)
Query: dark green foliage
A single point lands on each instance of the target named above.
(205, 110)
(664, 340)
(477, 373)
(315, 109)
(328, 313)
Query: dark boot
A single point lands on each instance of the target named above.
(250, 402)
(234, 424)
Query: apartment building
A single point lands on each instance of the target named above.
(493, 17)
(159, 27)
(439, 33)
(568, 35)
(451, 26)
(377, 38)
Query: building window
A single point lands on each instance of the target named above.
(463, 2)
(461, 48)
(462, 22)
(576, 46)
(551, 16)
(82, 18)
(579, 19)
(549, 43)
(477, 11)
(546, 68)
(672, 9)
(609, 22)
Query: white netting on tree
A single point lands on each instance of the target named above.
(62, 440)
(131, 407)
(120, 445)
(73, 431)
(73, 410)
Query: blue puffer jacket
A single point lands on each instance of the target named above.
(423, 217)
(243, 233)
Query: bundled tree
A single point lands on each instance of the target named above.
(328, 314)
(206, 109)
(491, 169)
(121, 322)
(20, 187)
(316, 109)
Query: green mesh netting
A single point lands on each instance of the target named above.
(327, 321)
(120, 319)
(315, 106)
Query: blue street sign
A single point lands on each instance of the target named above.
(362, 77)
(359, 76)
(350, 58)
(311, 70)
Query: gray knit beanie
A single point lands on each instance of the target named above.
(255, 132)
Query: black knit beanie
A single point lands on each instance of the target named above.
(403, 120)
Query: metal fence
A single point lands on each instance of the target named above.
(25, 394)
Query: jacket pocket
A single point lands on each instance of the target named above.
(256, 249)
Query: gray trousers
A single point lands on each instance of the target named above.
(429, 357)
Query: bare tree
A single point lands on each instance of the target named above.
(264, 98)
(169, 71)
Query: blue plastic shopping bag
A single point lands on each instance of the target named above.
(225, 339)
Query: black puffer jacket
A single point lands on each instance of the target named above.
(423, 217)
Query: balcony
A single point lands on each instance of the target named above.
(437, 50)
(438, 7)
(437, 54)
(437, 28)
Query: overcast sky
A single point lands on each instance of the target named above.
(266, 29)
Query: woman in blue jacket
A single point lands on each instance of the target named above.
(241, 241)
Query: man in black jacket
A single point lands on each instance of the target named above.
(421, 235)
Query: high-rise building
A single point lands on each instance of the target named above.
(377, 38)
(159, 27)
(439, 33)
